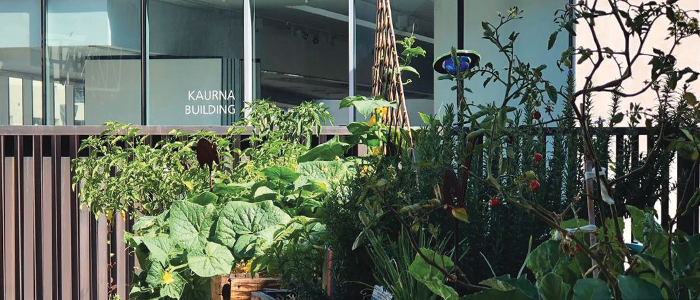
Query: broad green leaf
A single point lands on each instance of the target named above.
(686, 256)
(658, 267)
(635, 288)
(264, 193)
(591, 289)
(410, 69)
(544, 258)
(497, 295)
(367, 107)
(432, 277)
(144, 223)
(190, 224)
(569, 270)
(282, 174)
(204, 198)
(155, 273)
(173, 285)
(325, 152)
(506, 283)
(244, 248)
(160, 248)
(239, 218)
(638, 220)
(222, 189)
(213, 260)
(425, 117)
(552, 287)
(330, 172)
(198, 289)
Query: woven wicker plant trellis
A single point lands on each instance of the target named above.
(386, 74)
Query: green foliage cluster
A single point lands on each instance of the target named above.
(194, 240)
(269, 223)
(655, 272)
(125, 172)
(507, 180)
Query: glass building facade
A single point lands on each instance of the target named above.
(77, 62)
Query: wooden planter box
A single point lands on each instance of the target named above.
(240, 286)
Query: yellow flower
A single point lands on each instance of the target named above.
(247, 267)
(168, 278)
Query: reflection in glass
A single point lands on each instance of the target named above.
(195, 70)
(20, 60)
(302, 49)
(93, 62)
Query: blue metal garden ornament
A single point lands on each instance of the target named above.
(467, 59)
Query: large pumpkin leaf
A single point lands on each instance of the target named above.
(190, 224)
(366, 107)
(327, 151)
(244, 247)
(330, 172)
(199, 289)
(239, 218)
(544, 258)
(687, 255)
(281, 174)
(552, 287)
(635, 288)
(213, 260)
(204, 198)
(160, 248)
(431, 276)
(173, 285)
(506, 283)
(658, 267)
(493, 294)
(591, 289)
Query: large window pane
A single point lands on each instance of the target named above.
(195, 67)
(93, 62)
(409, 16)
(20, 61)
(302, 51)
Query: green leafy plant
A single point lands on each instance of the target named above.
(124, 173)
(194, 240)
(503, 136)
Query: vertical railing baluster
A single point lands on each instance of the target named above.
(19, 193)
(56, 215)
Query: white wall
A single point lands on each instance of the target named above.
(686, 53)
(534, 28)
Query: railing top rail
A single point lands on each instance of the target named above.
(42, 130)
(145, 130)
